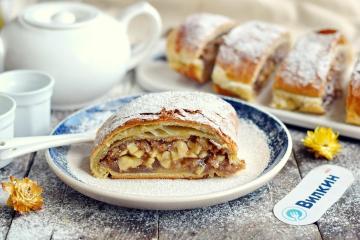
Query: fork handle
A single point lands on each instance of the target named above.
(19, 146)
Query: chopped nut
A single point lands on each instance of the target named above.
(154, 153)
(192, 155)
(132, 148)
(149, 162)
(203, 154)
(174, 156)
(166, 155)
(127, 162)
(191, 144)
(144, 145)
(122, 153)
(216, 162)
(165, 163)
(182, 148)
(220, 158)
(200, 169)
(138, 154)
(171, 153)
(165, 159)
(159, 156)
(196, 149)
(202, 141)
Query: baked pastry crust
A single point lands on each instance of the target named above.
(353, 96)
(247, 58)
(188, 125)
(310, 76)
(192, 47)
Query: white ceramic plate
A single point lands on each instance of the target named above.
(272, 143)
(155, 75)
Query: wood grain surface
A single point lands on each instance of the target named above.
(70, 215)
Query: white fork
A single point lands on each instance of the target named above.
(15, 147)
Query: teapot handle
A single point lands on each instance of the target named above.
(143, 49)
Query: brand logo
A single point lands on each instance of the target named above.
(294, 214)
(320, 191)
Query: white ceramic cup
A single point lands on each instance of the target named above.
(32, 92)
(7, 118)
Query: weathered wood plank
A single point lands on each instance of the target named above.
(204, 223)
(255, 218)
(342, 220)
(18, 168)
(249, 217)
(70, 215)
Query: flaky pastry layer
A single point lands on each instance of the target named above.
(191, 48)
(169, 135)
(189, 155)
(295, 102)
(353, 96)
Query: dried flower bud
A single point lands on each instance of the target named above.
(25, 194)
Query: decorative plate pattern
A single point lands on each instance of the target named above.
(278, 140)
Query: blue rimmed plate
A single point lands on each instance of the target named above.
(265, 144)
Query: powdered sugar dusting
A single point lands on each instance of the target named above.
(310, 60)
(355, 79)
(249, 41)
(199, 27)
(198, 107)
(253, 148)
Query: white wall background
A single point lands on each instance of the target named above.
(299, 15)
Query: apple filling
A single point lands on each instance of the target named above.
(209, 55)
(333, 86)
(270, 65)
(197, 155)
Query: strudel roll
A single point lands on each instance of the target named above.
(169, 135)
(247, 58)
(192, 47)
(309, 79)
(353, 96)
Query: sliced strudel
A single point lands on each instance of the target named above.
(247, 58)
(353, 96)
(169, 135)
(192, 47)
(309, 79)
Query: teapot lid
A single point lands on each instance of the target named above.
(59, 15)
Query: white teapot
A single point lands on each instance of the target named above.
(85, 50)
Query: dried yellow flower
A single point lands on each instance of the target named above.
(25, 194)
(323, 142)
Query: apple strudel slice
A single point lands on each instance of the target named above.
(169, 135)
(247, 58)
(309, 79)
(353, 96)
(192, 47)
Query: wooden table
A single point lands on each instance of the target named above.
(70, 215)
